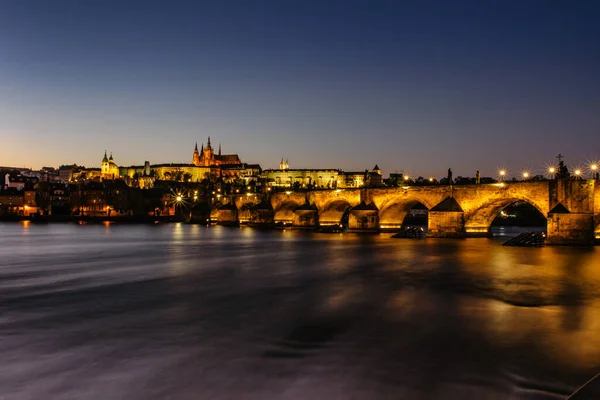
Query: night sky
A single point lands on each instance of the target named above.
(415, 86)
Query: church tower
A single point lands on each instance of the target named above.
(283, 165)
(196, 156)
(104, 165)
(208, 154)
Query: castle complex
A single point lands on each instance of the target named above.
(208, 164)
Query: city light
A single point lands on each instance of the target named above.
(179, 199)
(406, 177)
(593, 169)
(502, 173)
(430, 179)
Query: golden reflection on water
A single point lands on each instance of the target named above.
(565, 336)
(25, 225)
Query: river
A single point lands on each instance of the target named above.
(192, 312)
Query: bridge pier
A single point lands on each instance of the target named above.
(570, 229)
(261, 216)
(364, 218)
(306, 218)
(446, 224)
(226, 215)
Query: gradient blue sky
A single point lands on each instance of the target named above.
(415, 86)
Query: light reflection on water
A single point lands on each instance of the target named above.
(187, 311)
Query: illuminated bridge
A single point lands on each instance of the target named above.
(571, 207)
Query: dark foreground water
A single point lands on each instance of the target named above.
(189, 312)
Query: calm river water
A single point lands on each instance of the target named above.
(190, 312)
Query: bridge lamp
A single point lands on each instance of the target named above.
(577, 172)
(551, 170)
(406, 177)
(430, 179)
(525, 175)
(178, 199)
(593, 169)
(502, 174)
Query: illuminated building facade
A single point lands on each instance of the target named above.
(206, 157)
(109, 169)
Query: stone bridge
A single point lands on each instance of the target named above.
(571, 207)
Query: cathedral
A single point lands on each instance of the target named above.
(206, 157)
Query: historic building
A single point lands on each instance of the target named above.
(362, 178)
(288, 177)
(109, 169)
(206, 157)
(320, 178)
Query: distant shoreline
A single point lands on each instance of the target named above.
(90, 219)
(172, 219)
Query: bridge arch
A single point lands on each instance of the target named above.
(479, 220)
(334, 212)
(392, 215)
(285, 211)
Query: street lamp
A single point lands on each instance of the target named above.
(593, 170)
(502, 174)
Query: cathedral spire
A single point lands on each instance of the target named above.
(111, 158)
(219, 148)
(208, 144)
(105, 159)
(196, 147)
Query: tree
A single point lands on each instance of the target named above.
(187, 177)
(42, 197)
(177, 175)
